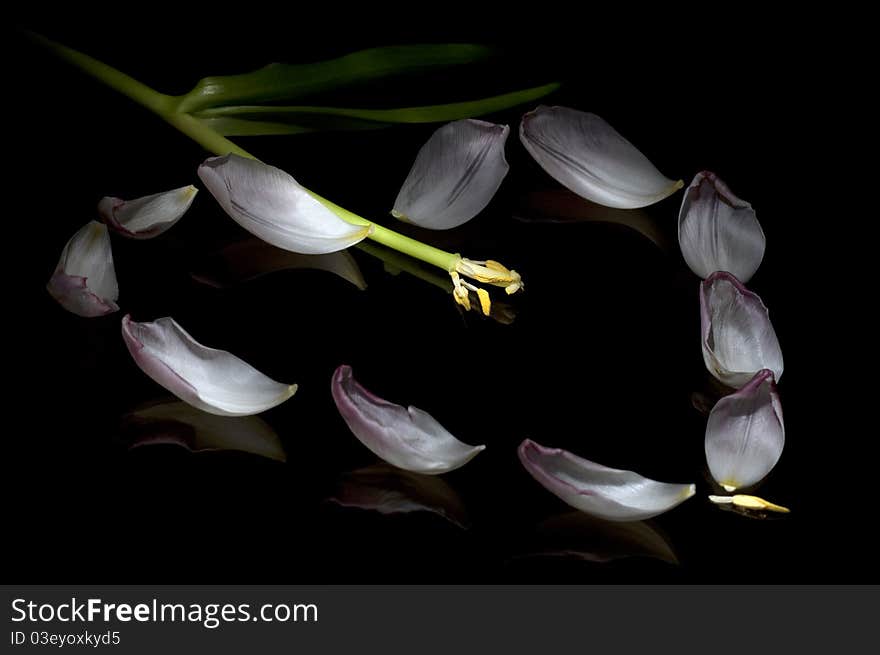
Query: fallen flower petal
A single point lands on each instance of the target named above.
(585, 154)
(272, 205)
(738, 339)
(84, 281)
(745, 434)
(717, 231)
(147, 217)
(406, 437)
(612, 494)
(212, 380)
(455, 175)
(175, 422)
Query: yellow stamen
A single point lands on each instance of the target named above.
(749, 502)
(485, 303)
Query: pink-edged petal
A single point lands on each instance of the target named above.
(584, 153)
(212, 380)
(270, 204)
(738, 339)
(84, 281)
(175, 422)
(389, 490)
(612, 494)
(147, 217)
(717, 231)
(745, 434)
(406, 437)
(455, 175)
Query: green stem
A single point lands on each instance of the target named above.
(168, 108)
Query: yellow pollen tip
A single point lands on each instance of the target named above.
(485, 303)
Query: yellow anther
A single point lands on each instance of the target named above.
(485, 303)
(496, 266)
(749, 502)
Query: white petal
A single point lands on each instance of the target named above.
(147, 217)
(738, 339)
(84, 281)
(717, 231)
(179, 423)
(213, 380)
(270, 204)
(745, 434)
(455, 175)
(406, 437)
(585, 154)
(611, 494)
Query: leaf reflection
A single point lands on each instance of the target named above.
(389, 490)
(177, 423)
(563, 206)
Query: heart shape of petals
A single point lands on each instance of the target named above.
(270, 204)
(717, 231)
(612, 494)
(738, 339)
(406, 437)
(745, 434)
(455, 175)
(214, 381)
(585, 154)
(84, 281)
(147, 217)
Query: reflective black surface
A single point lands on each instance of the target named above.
(602, 357)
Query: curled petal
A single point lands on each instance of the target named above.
(608, 493)
(252, 258)
(745, 434)
(270, 204)
(738, 338)
(389, 490)
(147, 217)
(174, 422)
(717, 231)
(585, 154)
(455, 175)
(212, 380)
(84, 281)
(406, 437)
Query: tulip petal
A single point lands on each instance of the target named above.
(612, 494)
(745, 434)
(717, 231)
(389, 490)
(252, 258)
(272, 205)
(406, 437)
(212, 380)
(455, 175)
(84, 281)
(738, 339)
(174, 422)
(147, 217)
(585, 154)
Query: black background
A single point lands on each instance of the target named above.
(602, 358)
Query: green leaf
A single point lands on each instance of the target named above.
(252, 120)
(277, 82)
